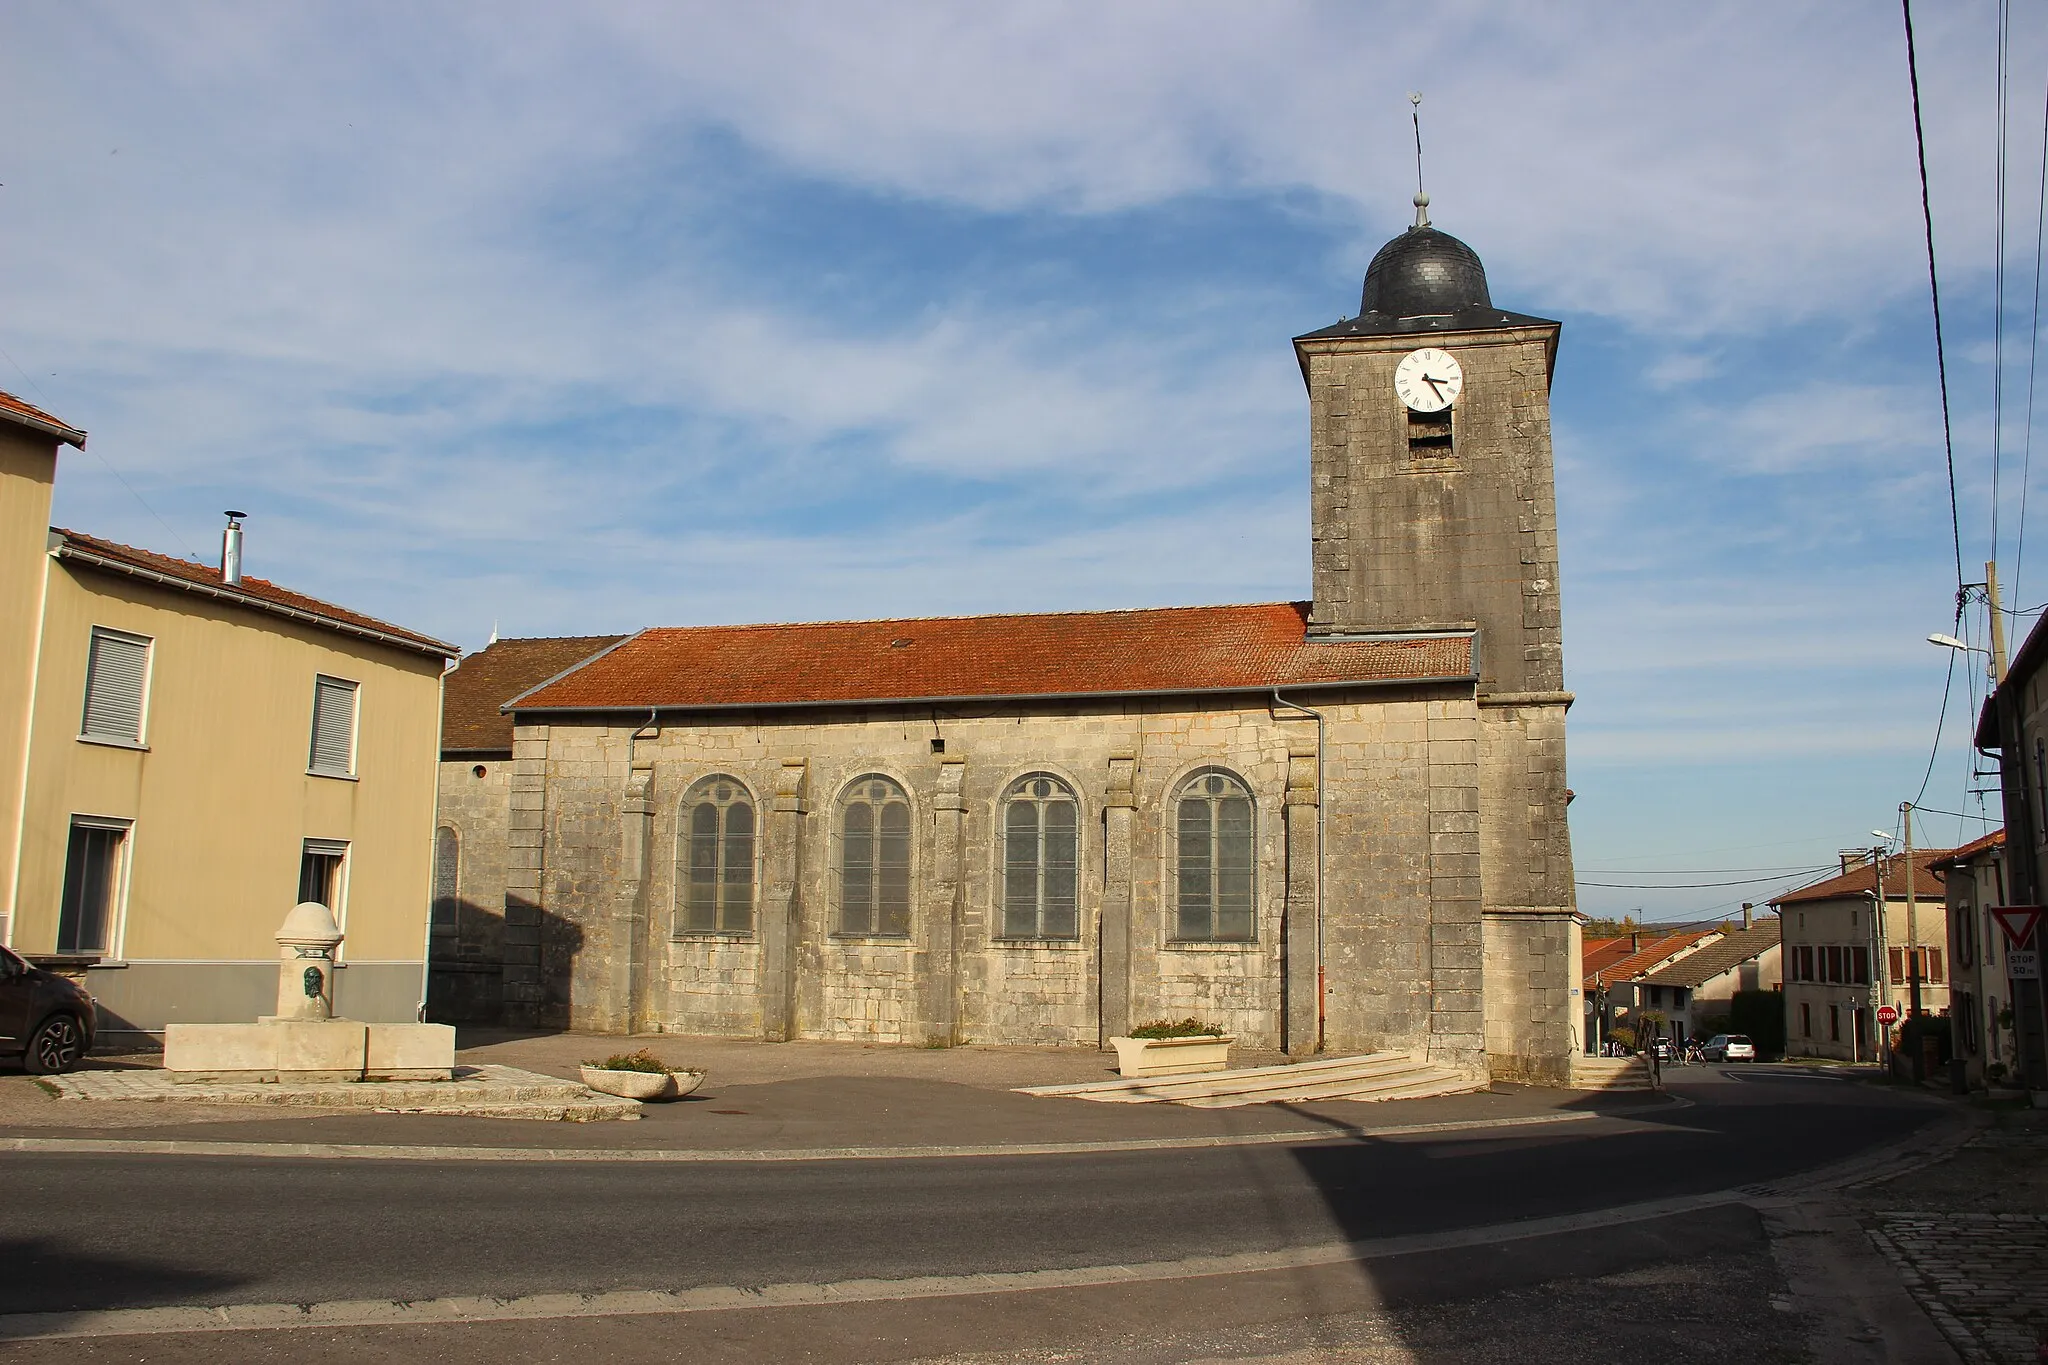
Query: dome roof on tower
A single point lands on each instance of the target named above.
(1424, 273)
(1426, 280)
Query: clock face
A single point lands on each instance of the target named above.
(1428, 380)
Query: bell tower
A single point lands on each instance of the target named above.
(1433, 501)
(1434, 508)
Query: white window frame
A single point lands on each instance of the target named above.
(333, 848)
(117, 895)
(141, 739)
(355, 715)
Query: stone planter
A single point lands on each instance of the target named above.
(1171, 1056)
(642, 1085)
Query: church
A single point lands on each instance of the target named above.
(1327, 826)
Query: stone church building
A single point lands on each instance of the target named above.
(1334, 825)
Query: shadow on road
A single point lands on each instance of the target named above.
(44, 1275)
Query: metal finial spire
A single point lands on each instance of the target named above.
(1421, 199)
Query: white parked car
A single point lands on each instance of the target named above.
(1729, 1047)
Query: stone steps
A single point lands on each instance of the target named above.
(1374, 1076)
(1611, 1074)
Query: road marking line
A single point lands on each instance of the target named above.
(637, 1302)
(394, 1152)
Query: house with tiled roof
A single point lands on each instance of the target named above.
(1614, 978)
(1975, 880)
(1874, 934)
(187, 751)
(1335, 824)
(1702, 985)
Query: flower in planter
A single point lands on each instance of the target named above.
(643, 1060)
(1184, 1028)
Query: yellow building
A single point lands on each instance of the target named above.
(186, 753)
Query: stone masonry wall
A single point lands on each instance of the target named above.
(1533, 1005)
(466, 955)
(1407, 540)
(1401, 903)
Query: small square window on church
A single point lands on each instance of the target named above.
(1429, 433)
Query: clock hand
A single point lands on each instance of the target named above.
(1434, 383)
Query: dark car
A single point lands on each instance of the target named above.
(45, 1019)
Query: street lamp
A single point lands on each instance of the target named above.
(1962, 647)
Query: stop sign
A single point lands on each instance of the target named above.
(1886, 1014)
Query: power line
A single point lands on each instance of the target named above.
(1998, 269)
(2033, 354)
(1955, 520)
(98, 455)
(1941, 722)
(1694, 886)
(1680, 871)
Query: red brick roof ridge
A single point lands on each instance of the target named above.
(258, 592)
(1129, 651)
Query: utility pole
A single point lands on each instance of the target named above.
(1912, 918)
(1997, 624)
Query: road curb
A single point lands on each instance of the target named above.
(336, 1151)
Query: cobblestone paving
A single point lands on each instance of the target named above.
(1982, 1277)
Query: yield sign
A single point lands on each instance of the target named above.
(2017, 921)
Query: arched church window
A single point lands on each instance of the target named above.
(447, 877)
(716, 858)
(1213, 859)
(1041, 856)
(874, 859)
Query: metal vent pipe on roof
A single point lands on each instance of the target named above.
(231, 550)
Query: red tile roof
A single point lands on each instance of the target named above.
(1725, 954)
(471, 696)
(1064, 654)
(1858, 881)
(1655, 953)
(1995, 839)
(13, 410)
(257, 593)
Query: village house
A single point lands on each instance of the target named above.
(1973, 884)
(187, 752)
(1615, 975)
(1843, 959)
(1336, 824)
(1702, 985)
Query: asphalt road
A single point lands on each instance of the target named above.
(80, 1231)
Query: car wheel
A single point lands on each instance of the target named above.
(58, 1044)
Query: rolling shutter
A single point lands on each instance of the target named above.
(114, 677)
(334, 725)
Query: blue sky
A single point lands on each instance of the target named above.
(578, 319)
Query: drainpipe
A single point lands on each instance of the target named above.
(1322, 804)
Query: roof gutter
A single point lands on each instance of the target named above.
(433, 649)
(1247, 689)
(70, 436)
